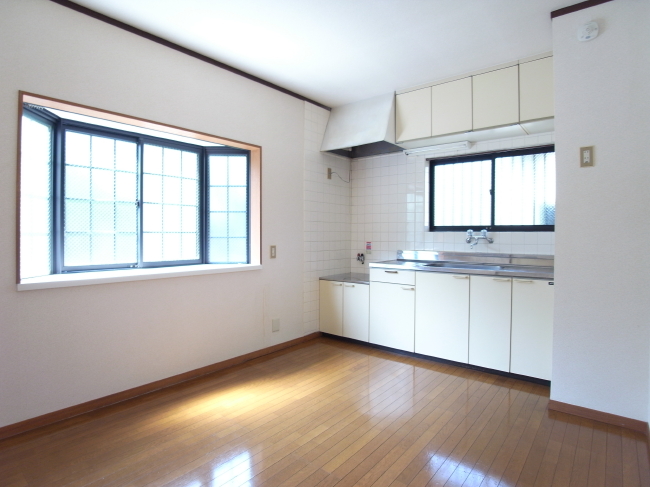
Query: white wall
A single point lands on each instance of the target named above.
(327, 214)
(61, 347)
(389, 201)
(602, 98)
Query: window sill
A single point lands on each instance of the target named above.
(106, 277)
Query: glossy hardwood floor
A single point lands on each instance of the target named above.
(331, 413)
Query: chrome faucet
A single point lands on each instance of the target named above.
(473, 240)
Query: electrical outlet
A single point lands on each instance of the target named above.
(329, 173)
(586, 156)
(275, 324)
(273, 252)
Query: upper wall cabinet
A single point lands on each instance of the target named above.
(413, 115)
(522, 93)
(496, 98)
(536, 89)
(451, 107)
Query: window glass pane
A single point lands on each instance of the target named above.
(228, 203)
(525, 190)
(237, 225)
(238, 250)
(152, 159)
(103, 152)
(190, 165)
(238, 171)
(77, 151)
(77, 182)
(170, 219)
(35, 199)
(99, 208)
(126, 156)
(462, 194)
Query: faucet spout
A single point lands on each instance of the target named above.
(472, 240)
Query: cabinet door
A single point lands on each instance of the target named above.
(536, 89)
(331, 307)
(495, 98)
(532, 328)
(489, 322)
(413, 115)
(392, 314)
(451, 107)
(356, 308)
(442, 315)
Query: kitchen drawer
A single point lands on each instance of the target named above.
(392, 276)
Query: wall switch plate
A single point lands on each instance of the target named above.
(586, 156)
(329, 173)
(275, 324)
(273, 252)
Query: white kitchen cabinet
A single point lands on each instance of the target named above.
(413, 115)
(331, 307)
(536, 89)
(356, 309)
(495, 99)
(532, 327)
(489, 322)
(392, 276)
(344, 309)
(392, 315)
(442, 315)
(451, 107)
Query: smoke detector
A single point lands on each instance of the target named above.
(588, 31)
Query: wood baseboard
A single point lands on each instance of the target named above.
(86, 407)
(633, 424)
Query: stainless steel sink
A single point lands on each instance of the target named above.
(458, 265)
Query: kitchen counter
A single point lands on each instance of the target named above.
(358, 278)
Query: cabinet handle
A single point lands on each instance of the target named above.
(460, 277)
(524, 282)
(349, 285)
(391, 272)
(500, 280)
(408, 288)
(337, 284)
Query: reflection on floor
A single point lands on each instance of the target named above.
(331, 413)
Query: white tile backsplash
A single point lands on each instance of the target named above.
(326, 214)
(388, 208)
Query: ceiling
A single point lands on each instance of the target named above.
(341, 51)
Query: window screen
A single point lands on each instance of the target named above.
(100, 203)
(462, 194)
(36, 198)
(228, 215)
(525, 190)
(170, 217)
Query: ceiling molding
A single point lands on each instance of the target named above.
(134, 30)
(578, 6)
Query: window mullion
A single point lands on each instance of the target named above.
(492, 193)
(140, 200)
(58, 198)
(203, 202)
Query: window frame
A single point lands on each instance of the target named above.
(61, 126)
(482, 157)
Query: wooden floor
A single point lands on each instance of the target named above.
(331, 413)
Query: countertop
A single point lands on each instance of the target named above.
(529, 272)
(358, 278)
(502, 265)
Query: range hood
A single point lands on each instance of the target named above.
(367, 128)
(364, 128)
